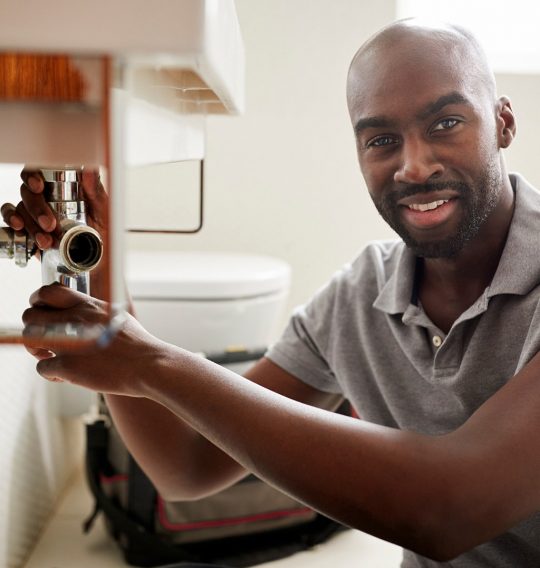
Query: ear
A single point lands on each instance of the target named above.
(506, 122)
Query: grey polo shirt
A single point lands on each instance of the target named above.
(364, 336)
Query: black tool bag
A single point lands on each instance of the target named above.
(243, 525)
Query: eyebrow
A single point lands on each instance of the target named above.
(430, 109)
(453, 98)
(371, 122)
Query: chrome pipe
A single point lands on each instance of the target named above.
(78, 247)
(16, 245)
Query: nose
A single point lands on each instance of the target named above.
(418, 162)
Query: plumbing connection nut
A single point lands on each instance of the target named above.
(17, 245)
(81, 248)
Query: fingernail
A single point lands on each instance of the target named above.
(46, 222)
(16, 223)
(34, 184)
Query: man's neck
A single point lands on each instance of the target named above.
(448, 286)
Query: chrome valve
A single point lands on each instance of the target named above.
(78, 247)
(16, 245)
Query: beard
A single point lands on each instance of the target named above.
(478, 200)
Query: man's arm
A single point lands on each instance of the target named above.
(182, 464)
(438, 496)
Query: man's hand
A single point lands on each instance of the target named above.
(115, 369)
(36, 217)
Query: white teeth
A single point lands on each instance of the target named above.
(427, 206)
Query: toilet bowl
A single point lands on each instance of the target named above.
(210, 302)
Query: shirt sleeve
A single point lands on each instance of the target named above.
(302, 347)
(319, 332)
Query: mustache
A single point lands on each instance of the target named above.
(414, 189)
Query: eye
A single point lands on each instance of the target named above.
(380, 141)
(446, 124)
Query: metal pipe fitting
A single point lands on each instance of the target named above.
(78, 247)
(16, 245)
(81, 247)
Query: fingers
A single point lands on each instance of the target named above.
(38, 208)
(37, 319)
(9, 214)
(18, 218)
(39, 353)
(33, 213)
(54, 306)
(51, 369)
(96, 198)
(57, 296)
(61, 368)
(39, 220)
(33, 179)
(43, 240)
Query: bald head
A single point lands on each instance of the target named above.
(419, 45)
(427, 123)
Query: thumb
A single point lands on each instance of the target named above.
(51, 369)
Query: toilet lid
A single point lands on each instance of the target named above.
(204, 275)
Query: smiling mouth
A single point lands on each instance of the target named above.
(427, 206)
(436, 213)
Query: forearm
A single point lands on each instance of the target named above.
(369, 477)
(182, 464)
(411, 489)
(436, 495)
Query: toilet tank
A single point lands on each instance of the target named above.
(209, 301)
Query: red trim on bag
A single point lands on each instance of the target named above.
(112, 478)
(169, 525)
(354, 413)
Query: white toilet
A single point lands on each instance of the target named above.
(209, 302)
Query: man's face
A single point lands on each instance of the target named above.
(427, 148)
(441, 232)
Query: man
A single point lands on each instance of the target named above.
(434, 341)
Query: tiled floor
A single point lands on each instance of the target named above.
(62, 544)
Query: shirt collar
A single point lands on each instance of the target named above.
(396, 294)
(519, 268)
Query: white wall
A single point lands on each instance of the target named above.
(283, 179)
(523, 91)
